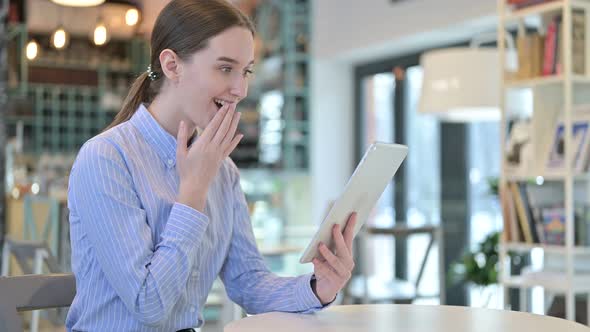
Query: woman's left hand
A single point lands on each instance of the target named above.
(333, 269)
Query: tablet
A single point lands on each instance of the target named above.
(368, 181)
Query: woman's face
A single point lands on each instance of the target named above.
(216, 74)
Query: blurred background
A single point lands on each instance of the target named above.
(331, 77)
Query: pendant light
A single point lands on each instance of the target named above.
(60, 38)
(462, 84)
(101, 34)
(32, 50)
(132, 16)
(79, 3)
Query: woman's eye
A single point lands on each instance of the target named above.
(248, 73)
(226, 69)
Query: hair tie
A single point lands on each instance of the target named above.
(152, 74)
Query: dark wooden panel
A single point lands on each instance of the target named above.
(63, 76)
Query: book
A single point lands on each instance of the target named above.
(536, 54)
(507, 233)
(536, 213)
(582, 230)
(554, 225)
(523, 48)
(530, 216)
(558, 51)
(580, 141)
(551, 47)
(579, 42)
(515, 227)
(523, 213)
(530, 48)
(539, 229)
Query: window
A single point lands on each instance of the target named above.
(423, 191)
(377, 92)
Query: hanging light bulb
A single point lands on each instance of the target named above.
(132, 16)
(60, 38)
(32, 49)
(101, 34)
(79, 3)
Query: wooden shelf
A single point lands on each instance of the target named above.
(554, 281)
(44, 63)
(545, 80)
(545, 8)
(525, 247)
(555, 176)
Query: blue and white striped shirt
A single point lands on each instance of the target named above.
(144, 262)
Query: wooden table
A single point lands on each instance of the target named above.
(404, 318)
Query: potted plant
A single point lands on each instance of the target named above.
(479, 267)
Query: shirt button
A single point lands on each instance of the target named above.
(170, 162)
(193, 309)
(194, 274)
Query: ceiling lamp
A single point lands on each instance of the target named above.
(32, 50)
(60, 38)
(132, 16)
(100, 36)
(79, 3)
(462, 84)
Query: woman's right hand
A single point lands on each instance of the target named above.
(197, 166)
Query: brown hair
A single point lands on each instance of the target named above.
(183, 26)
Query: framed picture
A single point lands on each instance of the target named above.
(580, 142)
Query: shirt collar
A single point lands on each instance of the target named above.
(159, 139)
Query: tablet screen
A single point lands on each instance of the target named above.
(367, 183)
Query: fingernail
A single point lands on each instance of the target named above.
(181, 124)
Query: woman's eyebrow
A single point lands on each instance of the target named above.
(230, 60)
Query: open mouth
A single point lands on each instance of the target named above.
(219, 102)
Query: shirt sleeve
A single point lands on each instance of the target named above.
(248, 281)
(148, 277)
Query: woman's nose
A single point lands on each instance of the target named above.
(240, 88)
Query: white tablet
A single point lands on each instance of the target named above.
(365, 186)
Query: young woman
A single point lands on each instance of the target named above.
(157, 213)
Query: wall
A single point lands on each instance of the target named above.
(358, 30)
(351, 32)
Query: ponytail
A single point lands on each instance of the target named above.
(138, 93)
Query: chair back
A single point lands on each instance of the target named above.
(33, 292)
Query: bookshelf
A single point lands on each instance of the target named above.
(557, 92)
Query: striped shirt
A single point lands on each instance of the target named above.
(144, 262)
